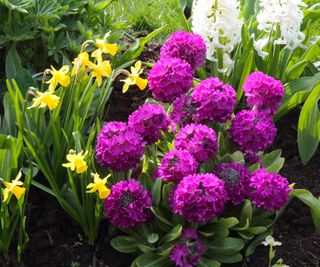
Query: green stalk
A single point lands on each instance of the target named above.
(220, 62)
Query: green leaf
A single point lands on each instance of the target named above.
(273, 161)
(146, 181)
(13, 63)
(18, 5)
(161, 216)
(151, 260)
(125, 244)
(156, 191)
(308, 126)
(173, 234)
(153, 238)
(225, 246)
(165, 249)
(296, 92)
(256, 242)
(313, 203)
(205, 262)
(227, 258)
(296, 70)
(246, 71)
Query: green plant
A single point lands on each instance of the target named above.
(294, 66)
(35, 34)
(14, 193)
(60, 139)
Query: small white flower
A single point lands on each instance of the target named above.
(219, 23)
(259, 45)
(271, 242)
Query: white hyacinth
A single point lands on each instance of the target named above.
(285, 14)
(219, 23)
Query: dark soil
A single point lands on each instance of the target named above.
(55, 240)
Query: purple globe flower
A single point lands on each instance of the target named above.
(128, 204)
(236, 178)
(119, 147)
(170, 78)
(176, 164)
(214, 100)
(263, 92)
(187, 252)
(199, 140)
(148, 121)
(187, 46)
(252, 131)
(199, 198)
(183, 110)
(269, 191)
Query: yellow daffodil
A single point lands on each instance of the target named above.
(81, 61)
(104, 47)
(99, 185)
(13, 187)
(76, 161)
(59, 77)
(46, 99)
(133, 78)
(101, 69)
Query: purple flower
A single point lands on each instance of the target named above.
(251, 131)
(176, 164)
(263, 92)
(183, 110)
(199, 198)
(214, 101)
(199, 140)
(187, 252)
(148, 121)
(128, 204)
(119, 147)
(187, 46)
(269, 191)
(236, 178)
(170, 78)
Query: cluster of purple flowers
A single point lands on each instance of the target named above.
(180, 56)
(120, 146)
(197, 197)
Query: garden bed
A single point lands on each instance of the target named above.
(55, 240)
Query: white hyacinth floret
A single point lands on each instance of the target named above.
(285, 15)
(219, 23)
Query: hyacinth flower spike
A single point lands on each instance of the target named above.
(14, 187)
